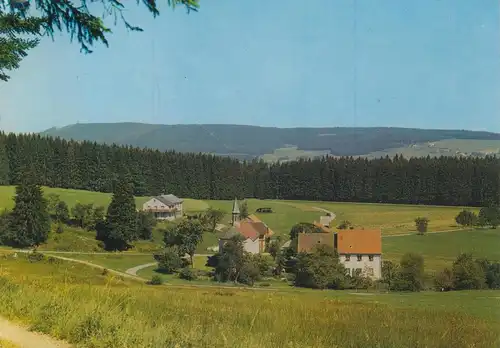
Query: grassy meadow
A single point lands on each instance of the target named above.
(441, 249)
(7, 344)
(81, 305)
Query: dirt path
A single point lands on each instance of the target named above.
(133, 271)
(27, 339)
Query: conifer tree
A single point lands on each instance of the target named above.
(29, 223)
(121, 219)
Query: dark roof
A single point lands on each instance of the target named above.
(308, 241)
(169, 199)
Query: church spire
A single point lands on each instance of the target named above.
(236, 212)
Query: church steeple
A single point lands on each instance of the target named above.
(235, 213)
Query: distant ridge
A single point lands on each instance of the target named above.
(273, 143)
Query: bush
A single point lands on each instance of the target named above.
(105, 272)
(169, 260)
(53, 260)
(188, 273)
(35, 257)
(59, 228)
(156, 280)
(466, 218)
(444, 280)
(421, 223)
(467, 273)
(264, 285)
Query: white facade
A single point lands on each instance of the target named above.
(162, 211)
(249, 245)
(368, 265)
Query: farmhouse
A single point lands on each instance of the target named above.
(252, 229)
(164, 207)
(359, 250)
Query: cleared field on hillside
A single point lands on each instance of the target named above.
(71, 197)
(391, 218)
(79, 304)
(441, 249)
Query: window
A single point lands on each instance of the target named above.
(348, 257)
(370, 257)
(360, 257)
(348, 271)
(370, 271)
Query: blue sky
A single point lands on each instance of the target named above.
(426, 64)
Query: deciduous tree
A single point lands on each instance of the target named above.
(212, 217)
(466, 218)
(186, 235)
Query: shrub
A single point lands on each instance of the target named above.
(188, 273)
(169, 260)
(105, 272)
(444, 280)
(466, 218)
(264, 285)
(59, 228)
(421, 223)
(53, 260)
(467, 273)
(156, 280)
(35, 256)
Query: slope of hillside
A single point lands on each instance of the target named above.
(251, 141)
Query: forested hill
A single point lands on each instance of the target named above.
(247, 142)
(90, 166)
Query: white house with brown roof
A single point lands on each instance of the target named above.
(361, 251)
(252, 229)
(164, 207)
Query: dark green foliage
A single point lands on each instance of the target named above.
(232, 263)
(155, 280)
(467, 273)
(244, 210)
(320, 269)
(410, 273)
(145, 224)
(29, 223)
(421, 223)
(75, 19)
(4, 163)
(188, 273)
(390, 272)
(466, 218)
(168, 260)
(120, 227)
(18, 34)
(273, 248)
(61, 212)
(59, 228)
(489, 216)
(492, 273)
(4, 227)
(89, 166)
(211, 217)
(348, 141)
(186, 235)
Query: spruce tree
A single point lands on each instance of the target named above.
(121, 218)
(29, 223)
(4, 162)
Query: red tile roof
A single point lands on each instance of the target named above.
(359, 242)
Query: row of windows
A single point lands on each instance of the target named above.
(360, 257)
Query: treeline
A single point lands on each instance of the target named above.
(95, 167)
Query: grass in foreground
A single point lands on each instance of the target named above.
(7, 344)
(76, 303)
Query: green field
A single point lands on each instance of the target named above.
(441, 249)
(81, 305)
(71, 197)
